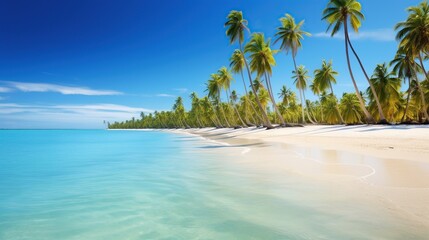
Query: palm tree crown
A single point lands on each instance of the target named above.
(324, 77)
(237, 61)
(261, 55)
(413, 33)
(338, 11)
(235, 26)
(225, 77)
(290, 34)
(300, 77)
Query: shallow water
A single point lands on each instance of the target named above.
(94, 184)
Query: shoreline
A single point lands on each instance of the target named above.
(389, 165)
(402, 142)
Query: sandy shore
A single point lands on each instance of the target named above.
(385, 166)
(397, 142)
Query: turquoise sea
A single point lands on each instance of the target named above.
(97, 184)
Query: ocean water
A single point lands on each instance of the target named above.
(96, 184)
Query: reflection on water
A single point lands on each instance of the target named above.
(151, 185)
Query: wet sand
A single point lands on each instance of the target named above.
(386, 167)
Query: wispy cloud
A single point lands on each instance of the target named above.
(66, 90)
(381, 35)
(66, 116)
(181, 90)
(164, 95)
(5, 90)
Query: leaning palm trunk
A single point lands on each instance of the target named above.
(299, 85)
(408, 100)
(235, 109)
(185, 122)
(266, 120)
(259, 120)
(200, 125)
(267, 79)
(422, 95)
(214, 122)
(380, 109)
(307, 109)
(247, 98)
(219, 123)
(427, 79)
(254, 122)
(243, 124)
(368, 117)
(223, 114)
(336, 103)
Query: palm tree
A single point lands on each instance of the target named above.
(301, 78)
(264, 96)
(290, 34)
(225, 79)
(413, 35)
(350, 108)
(236, 25)
(179, 110)
(330, 110)
(214, 86)
(286, 95)
(257, 84)
(388, 87)
(323, 79)
(404, 65)
(337, 14)
(196, 107)
(237, 63)
(261, 60)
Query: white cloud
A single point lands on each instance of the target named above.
(181, 90)
(164, 95)
(14, 115)
(381, 35)
(5, 89)
(66, 90)
(105, 107)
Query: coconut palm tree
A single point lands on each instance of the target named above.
(237, 63)
(337, 14)
(264, 96)
(330, 112)
(286, 95)
(323, 79)
(225, 79)
(350, 108)
(413, 35)
(236, 25)
(300, 79)
(179, 110)
(388, 85)
(404, 66)
(290, 34)
(196, 108)
(257, 84)
(214, 86)
(261, 61)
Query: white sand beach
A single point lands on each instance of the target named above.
(383, 166)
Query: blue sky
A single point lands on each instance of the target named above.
(73, 64)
